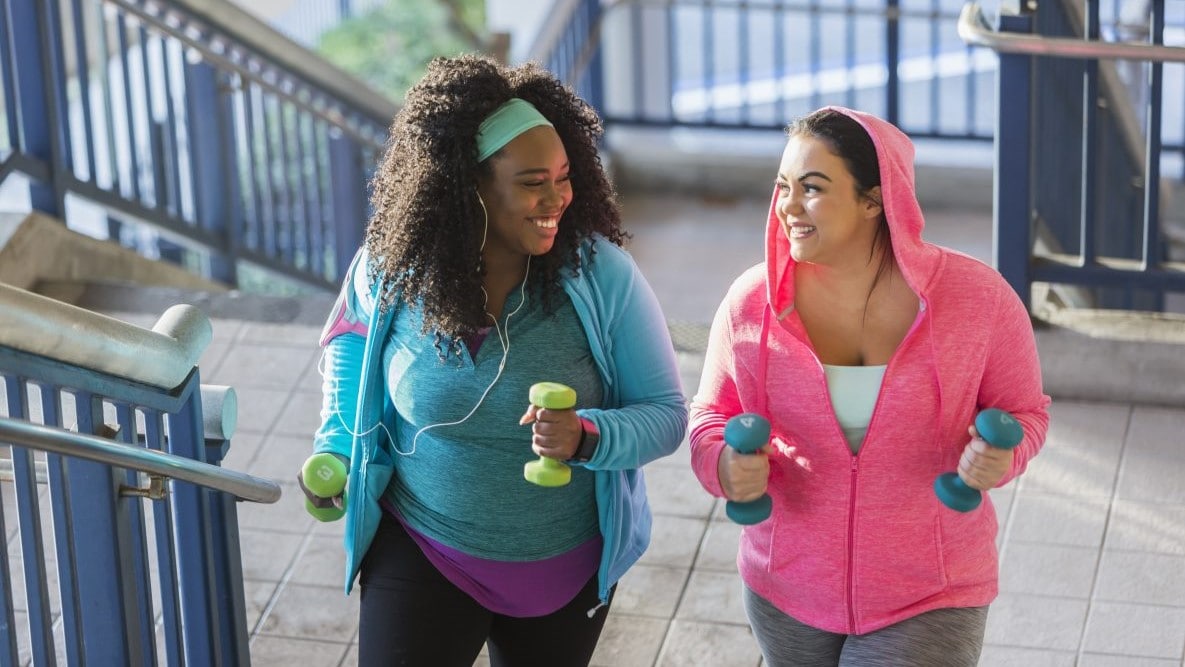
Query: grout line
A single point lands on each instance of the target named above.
(1094, 582)
(703, 537)
(285, 578)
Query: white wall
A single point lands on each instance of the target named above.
(521, 19)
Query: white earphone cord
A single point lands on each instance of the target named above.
(503, 338)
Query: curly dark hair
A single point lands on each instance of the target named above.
(424, 236)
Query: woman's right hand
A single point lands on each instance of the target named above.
(744, 477)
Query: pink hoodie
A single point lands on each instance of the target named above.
(859, 542)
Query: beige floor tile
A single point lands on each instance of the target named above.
(313, 612)
(289, 335)
(725, 235)
(1011, 656)
(1033, 621)
(267, 555)
(650, 591)
(1135, 630)
(1097, 660)
(1081, 452)
(257, 596)
(226, 330)
(281, 456)
(677, 492)
(259, 407)
(1153, 457)
(713, 597)
(322, 563)
(286, 651)
(1128, 576)
(1059, 520)
(1044, 569)
(244, 447)
(1155, 527)
(265, 365)
(301, 416)
(629, 641)
(719, 549)
(692, 644)
(674, 541)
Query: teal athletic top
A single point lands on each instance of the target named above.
(461, 484)
(853, 392)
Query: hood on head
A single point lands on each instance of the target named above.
(895, 153)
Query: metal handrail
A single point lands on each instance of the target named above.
(162, 357)
(152, 462)
(974, 29)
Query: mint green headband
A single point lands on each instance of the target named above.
(505, 123)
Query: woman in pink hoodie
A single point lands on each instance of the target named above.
(870, 351)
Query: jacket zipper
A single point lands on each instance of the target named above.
(852, 548)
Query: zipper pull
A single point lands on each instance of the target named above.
(593, 612)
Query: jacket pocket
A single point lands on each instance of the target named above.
(899, 566)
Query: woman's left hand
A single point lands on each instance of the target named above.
(982, 466)
(556, 433)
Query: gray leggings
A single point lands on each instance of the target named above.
(940, 638)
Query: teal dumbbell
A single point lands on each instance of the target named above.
(997, 428)
(747, 433)
(324, 475)
(546, 471)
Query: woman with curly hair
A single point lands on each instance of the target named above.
(493, 261)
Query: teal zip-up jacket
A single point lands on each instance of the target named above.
(644, 416)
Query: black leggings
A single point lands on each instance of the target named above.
(411, 615)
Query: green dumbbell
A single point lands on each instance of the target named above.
(998, 429)
(545, 471)
(324, 475)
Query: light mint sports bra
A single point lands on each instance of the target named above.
(853, 392)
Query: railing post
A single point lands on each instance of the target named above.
(36, 41)
(201, 634)
(348, 187)
(1012, 210)
(892, 57)
(103, 569)
(228, 569)
(596, 67)
(215, 175)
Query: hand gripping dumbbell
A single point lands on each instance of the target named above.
(998, 429)
(547, 471)
(747, 433)
(324, 476)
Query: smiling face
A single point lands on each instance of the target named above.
(525, 193)
(819, 205)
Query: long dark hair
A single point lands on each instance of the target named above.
(424, 237)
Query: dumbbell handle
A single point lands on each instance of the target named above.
(547, 471)
(324, 475)
(997, 428)
(747, 433)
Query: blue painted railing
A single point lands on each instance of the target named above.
(142, 574)
(759, 63)
(1078, 199)
(193, 125)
